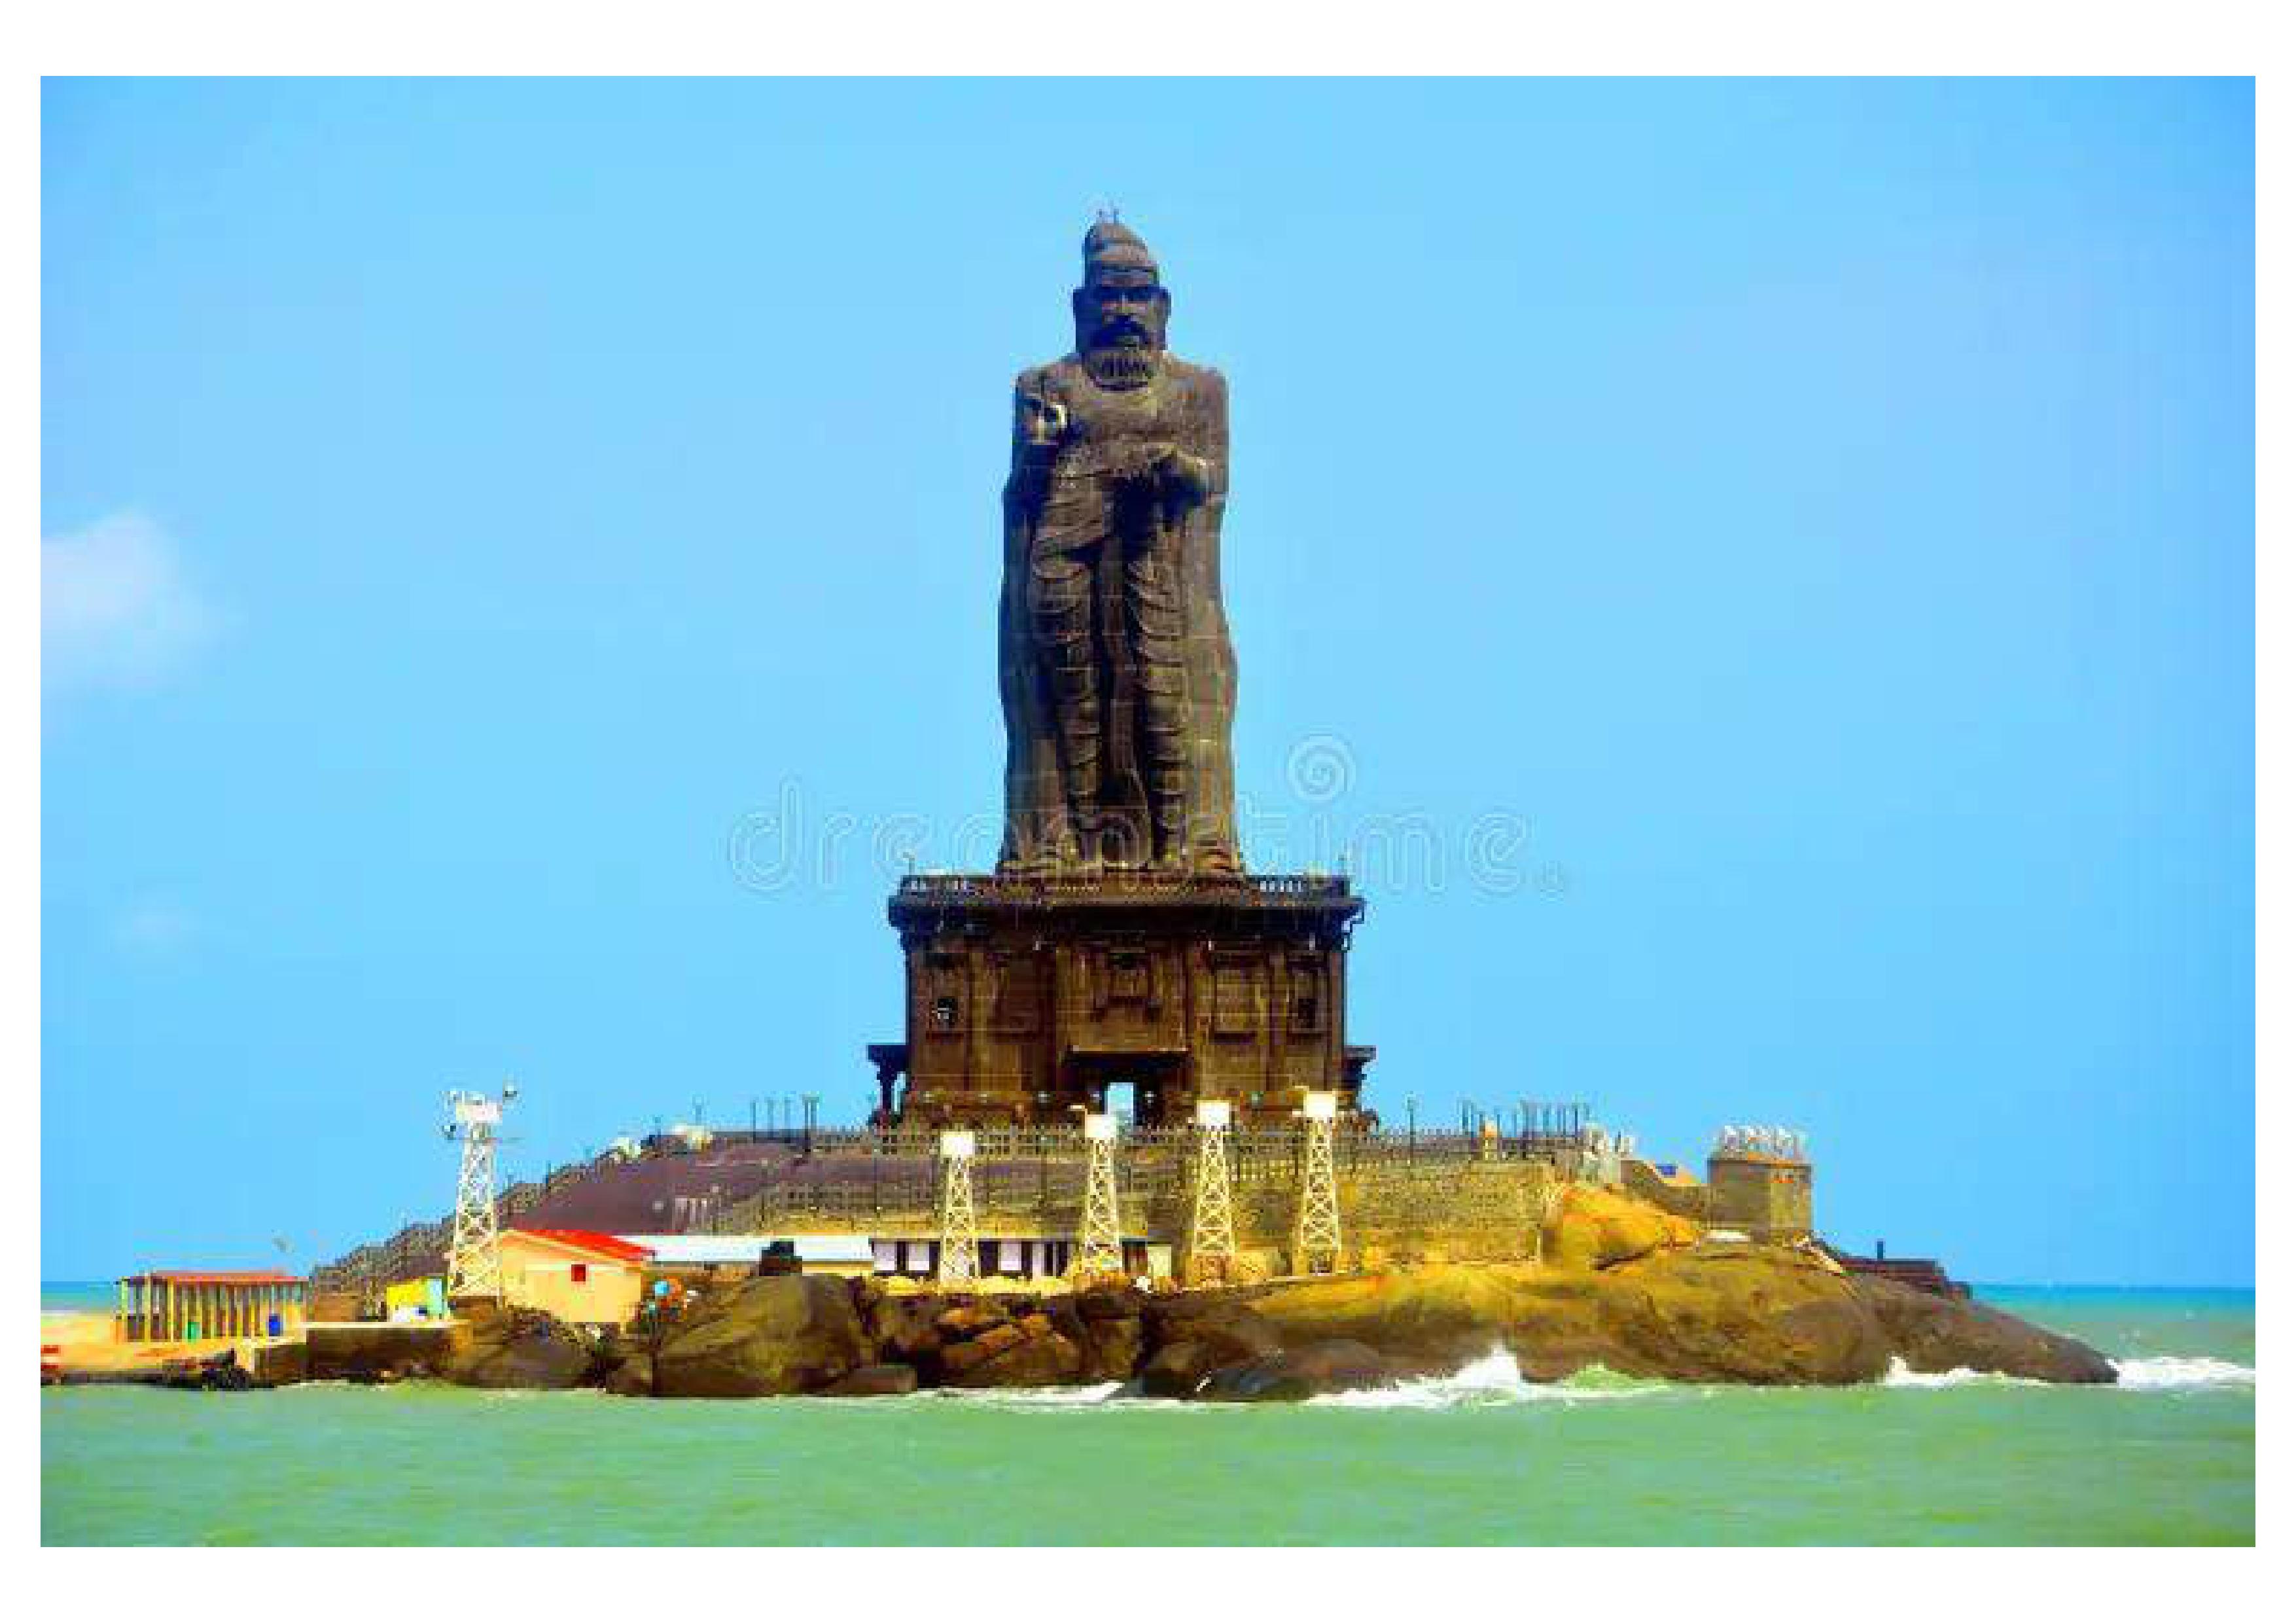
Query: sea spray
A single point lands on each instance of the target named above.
(2160, 1374)
(1492, 1378)
(2167, 1374)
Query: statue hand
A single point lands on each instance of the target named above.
(1180, 476)
(1043, 420)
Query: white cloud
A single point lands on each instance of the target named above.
(115, 610)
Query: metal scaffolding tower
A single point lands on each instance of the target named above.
(960, 1245)
(1100, 1253)
(1211, 1219)
(1315, 1244)
(474, 1258)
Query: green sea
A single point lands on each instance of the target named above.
(1478, 1458)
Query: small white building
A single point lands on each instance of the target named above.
(838, 1254)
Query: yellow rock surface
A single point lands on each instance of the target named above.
(1594, 1229)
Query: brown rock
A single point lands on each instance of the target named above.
(1112, 1347)
(1753, 1314)
(1934, 1334)
(874, 1380)
(1756, 1314)
(1593, 1227)
(1227, 1323)
(1035, 1324)
(1179, 1369)
(520, 1349)
(969, 1318)
(902, 1328)
(1305, 1372)
(1046, 1360)
(1102, 1302)
(779, 1334)
(633, 1377)
(970, 1355)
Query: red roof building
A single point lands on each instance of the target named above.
(589, 1240)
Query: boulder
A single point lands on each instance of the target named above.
(1764, 1315)
(1178, 1371)
(1937, 1333)
(780, 1334)
(522, 1349)
(969, 1355)
(1112, 1347)
(1305, 1371)
(1427, 1321)
(1189, 1346)
(1758, 1315)
(1226, 1322)
(215, 1371)
(1755, 1313)
(969, 1318)
(874, 1380)
(633, 1377)
(1593, 1227)
(1103, 1302)
(1046, 1360)
(902, 1328)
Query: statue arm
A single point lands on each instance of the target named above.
(1040, 419)
(1197, 471)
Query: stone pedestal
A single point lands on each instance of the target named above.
(1030, 1000)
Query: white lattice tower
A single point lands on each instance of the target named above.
(1100, 1250)
(1315, 1244)
(474, 1257)
(960, 1241)
(1212, 1219)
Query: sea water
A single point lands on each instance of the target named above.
(1477, 1457)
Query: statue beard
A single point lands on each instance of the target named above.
(1122, 368)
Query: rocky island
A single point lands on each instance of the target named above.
(1123, 1137)
(1633, 1292)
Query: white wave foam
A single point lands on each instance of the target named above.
(1901, 1375)
(2165, 1374)
(1491, 1379)
(2136, 1375)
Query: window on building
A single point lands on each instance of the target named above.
(581, 1271)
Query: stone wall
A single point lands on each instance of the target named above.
(1764, 1197)
(1391, 1211)
(1644, 1182)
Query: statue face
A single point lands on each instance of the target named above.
(1120, 320)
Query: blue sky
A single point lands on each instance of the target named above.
(1770, 564)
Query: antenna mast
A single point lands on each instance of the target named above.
(960, 1248)
(474, 1259)
(1211, 1223)
(1315, 1248)
(1102, 1253)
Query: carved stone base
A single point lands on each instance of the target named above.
(1030, 1000)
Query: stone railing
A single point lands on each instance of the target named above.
(1122, 883)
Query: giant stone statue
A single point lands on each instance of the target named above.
(1119, 947)
(1118, 679)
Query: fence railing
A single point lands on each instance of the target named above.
(856, 1173)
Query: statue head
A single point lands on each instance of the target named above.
(1122, 309)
